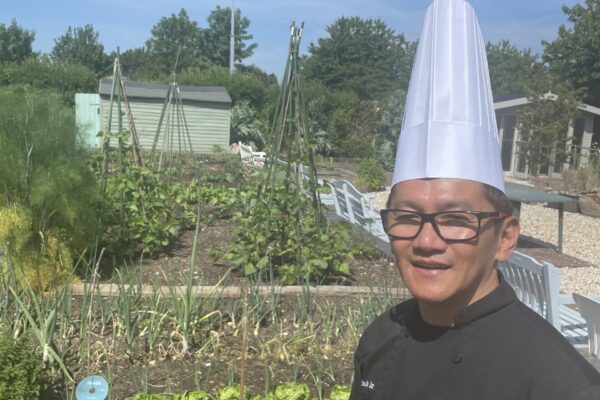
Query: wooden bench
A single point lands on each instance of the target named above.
(248, 155)
(538, 286)
(355, 207)
(590, 310)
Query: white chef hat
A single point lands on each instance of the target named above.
(449, 128)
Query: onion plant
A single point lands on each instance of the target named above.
(43, 325)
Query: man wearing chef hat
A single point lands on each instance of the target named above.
(464, 335)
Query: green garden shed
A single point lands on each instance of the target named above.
(206, 108)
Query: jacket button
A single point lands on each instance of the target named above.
(457, 358)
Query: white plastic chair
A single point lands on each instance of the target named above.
(590, 311)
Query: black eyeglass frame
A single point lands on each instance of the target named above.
(430, 217)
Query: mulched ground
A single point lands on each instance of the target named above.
(173, 267)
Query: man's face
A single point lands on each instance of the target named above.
(436, 271)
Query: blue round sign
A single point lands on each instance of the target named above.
(93, 387)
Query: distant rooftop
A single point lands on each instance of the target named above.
(214, 94)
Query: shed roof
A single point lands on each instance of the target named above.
(526, 194)
(214, 94)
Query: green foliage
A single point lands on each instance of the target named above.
(241, 86)
(285, 391)
(370, 176)
(332, 113)
(544, 125)
(356, 147)
(149, 396)
(142, 213)
(388, 129)
(575, 54)
(292, 391)
(15, 43)
(363, 56)
(139, 220)
(66, 79)
(193, 395)
(512, 71)
(20, 373)
(173, 34)
(46, 184)
(199, 47)
(80, 45)
(220, 200)
(340, 393)
(229, 393)
(284, 235)
(245, 126)
(136, 64)
(38, 261)
(218, 34)
(265, 78)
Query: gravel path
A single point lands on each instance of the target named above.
(581, 240)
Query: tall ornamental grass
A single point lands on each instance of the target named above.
(48, 194)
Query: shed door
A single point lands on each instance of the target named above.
(87, 116)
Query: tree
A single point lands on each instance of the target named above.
(137, 64)
(389, 127)
(240, 86)
(364, 56)
(544, 124)
(218, 36)
(15, 43)
(253, 70)
(174, 34)
(575, 54)
(80, 45)
(512, 71)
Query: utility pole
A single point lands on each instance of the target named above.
(232, 38)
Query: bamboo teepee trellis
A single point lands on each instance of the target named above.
(291, 139)
(174, 122)
(118, 95)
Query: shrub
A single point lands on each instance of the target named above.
(46, 183)
(20, 373)
(66, 79)
(370, 176)
(357, 148)
(239, 85)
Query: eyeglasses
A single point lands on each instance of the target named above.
(454, 226)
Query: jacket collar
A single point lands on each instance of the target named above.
(500, 297)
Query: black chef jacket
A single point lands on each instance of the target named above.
(498, 349)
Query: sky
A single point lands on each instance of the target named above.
(127, 23)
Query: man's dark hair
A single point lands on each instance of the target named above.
(498, 199)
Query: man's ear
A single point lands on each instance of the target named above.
(509, 235)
